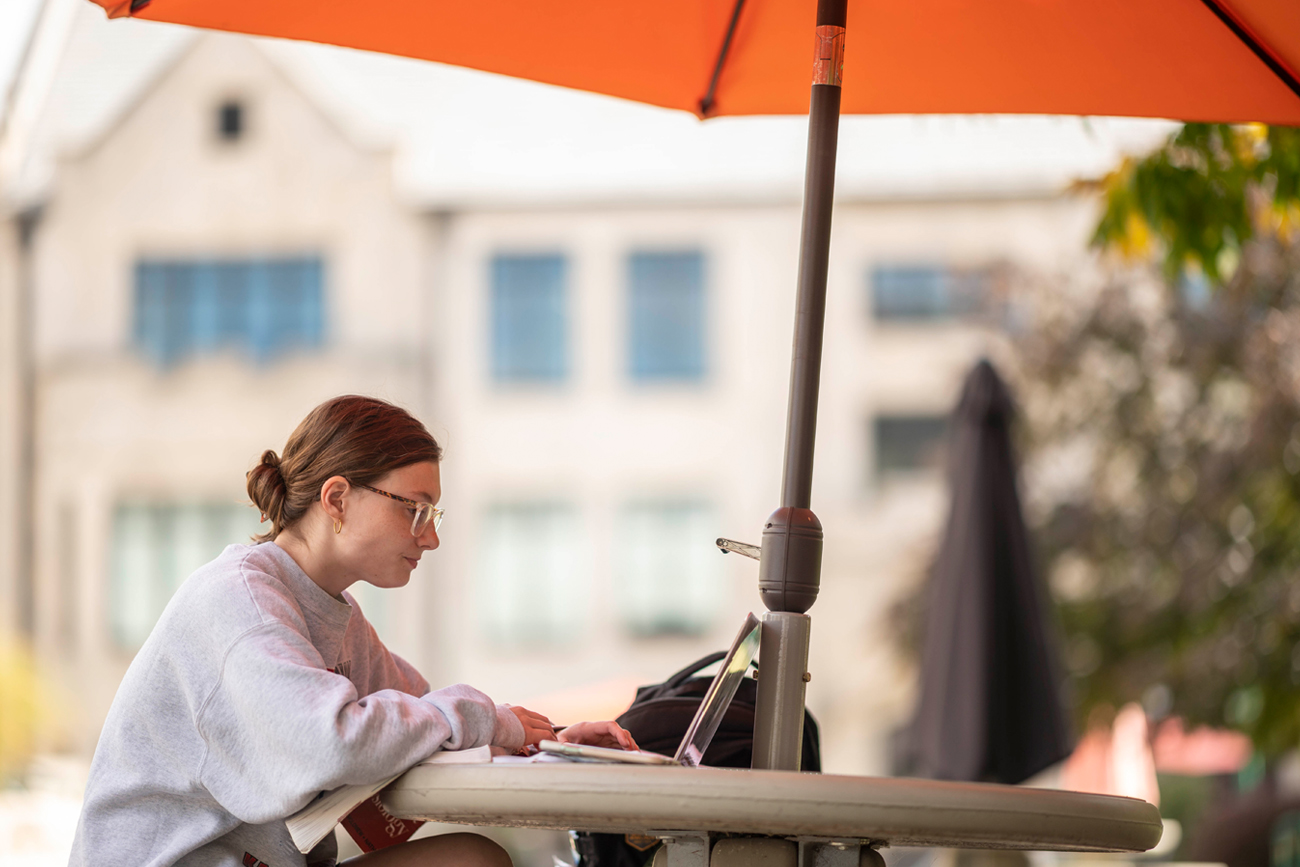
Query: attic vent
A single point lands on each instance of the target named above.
(230, 121)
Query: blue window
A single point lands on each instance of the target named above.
(263, 307)
(926, 292)
(667, 322)
(529, 320)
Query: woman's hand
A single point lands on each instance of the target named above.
(536, 727)
(599, 734)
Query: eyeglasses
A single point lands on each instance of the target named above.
(425, 513)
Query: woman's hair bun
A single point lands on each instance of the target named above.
(267, 489)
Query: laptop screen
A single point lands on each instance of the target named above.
(723, 689)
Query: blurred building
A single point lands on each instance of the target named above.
(589, 302)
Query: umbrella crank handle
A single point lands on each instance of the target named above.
(731, 546)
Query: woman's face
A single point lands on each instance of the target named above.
(375, 541)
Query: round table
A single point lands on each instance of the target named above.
(648, 799)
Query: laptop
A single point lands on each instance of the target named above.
(699, 734)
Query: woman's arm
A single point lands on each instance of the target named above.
(278, 727)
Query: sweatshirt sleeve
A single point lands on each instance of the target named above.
(407, 678)
(387, 670)
(510, 731)
(279, 728)
(390, 671)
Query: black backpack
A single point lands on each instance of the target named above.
(657, 720)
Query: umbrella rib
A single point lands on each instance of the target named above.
(706, 103)
(1262, 52)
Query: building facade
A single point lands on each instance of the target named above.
(608, 376)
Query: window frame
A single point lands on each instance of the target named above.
(261, 307)
(690, 610)
(915, 442)
(138, 593)
(510, 331)
(547, 602)
(958, 293)
(643, 309)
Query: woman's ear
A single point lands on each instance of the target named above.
(333, 497)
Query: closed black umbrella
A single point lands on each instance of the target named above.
(989, 706)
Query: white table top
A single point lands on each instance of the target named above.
(903, 812)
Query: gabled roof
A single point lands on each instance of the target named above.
(78, 77)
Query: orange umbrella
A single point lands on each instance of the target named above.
(1220, 60)
(1214, 60)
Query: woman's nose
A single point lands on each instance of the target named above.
(428, 540)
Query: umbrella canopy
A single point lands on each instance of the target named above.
(1220, 60)
(989, 707)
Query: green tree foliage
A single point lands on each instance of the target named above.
(1164, 432)
(1203, 196)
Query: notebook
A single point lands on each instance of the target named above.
(703, 726)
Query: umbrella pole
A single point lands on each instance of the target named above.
(790, 565)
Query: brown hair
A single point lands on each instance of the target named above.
(359, 438)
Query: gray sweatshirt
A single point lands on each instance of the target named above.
(256, 691)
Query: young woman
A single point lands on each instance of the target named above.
(263, 685)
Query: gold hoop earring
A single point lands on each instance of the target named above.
(338, 527)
